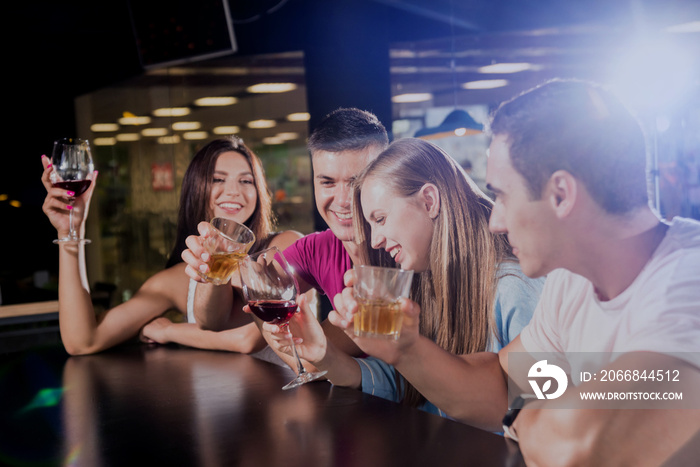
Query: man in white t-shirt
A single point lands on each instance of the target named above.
(567, 164)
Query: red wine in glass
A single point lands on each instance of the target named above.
(273, 311)
(270, 289)
(73, 170)
(76, 186)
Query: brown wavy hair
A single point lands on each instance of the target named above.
(457, 293)
(196, 190)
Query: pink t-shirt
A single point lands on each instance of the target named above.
(321, 261)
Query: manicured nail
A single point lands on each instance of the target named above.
(48, 165)
(203, 268)
(69, 207)
(205, 257)
(70, 193)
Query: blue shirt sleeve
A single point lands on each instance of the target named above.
(516, 298)
(378, 378)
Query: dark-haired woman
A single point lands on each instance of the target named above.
(226, 179)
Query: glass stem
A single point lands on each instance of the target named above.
(71, 233)
(300, 368)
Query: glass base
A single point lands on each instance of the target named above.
(303, 379)
(82, 241)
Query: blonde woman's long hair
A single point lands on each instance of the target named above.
(457, 293)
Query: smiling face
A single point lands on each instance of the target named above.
(529, 224)
(334, 173)
(400, 225)
(233, 194)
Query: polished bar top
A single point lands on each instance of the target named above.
(170, 405)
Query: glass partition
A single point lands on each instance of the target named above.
(145, 132)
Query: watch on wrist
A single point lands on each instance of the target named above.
(512, 413)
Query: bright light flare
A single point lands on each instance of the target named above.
(652, 75)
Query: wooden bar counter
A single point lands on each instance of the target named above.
(174, 406)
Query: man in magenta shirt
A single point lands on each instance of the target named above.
(342, 144)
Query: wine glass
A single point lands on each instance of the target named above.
(73, 170)
(271, 289)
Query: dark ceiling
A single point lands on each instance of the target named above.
(61, 49)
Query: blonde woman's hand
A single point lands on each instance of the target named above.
(391, 351)
(388, 350)
(57, 202)
(345, 305)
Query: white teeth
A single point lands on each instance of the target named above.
(230, 206)
(394, 252)
(344, 216)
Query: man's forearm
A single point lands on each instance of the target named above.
(213, 305)
(469, 388)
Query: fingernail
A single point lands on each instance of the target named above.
(205, 257)
(96, 172)
(69, 207)
(49, 165)
(203, 268)
(70, 193)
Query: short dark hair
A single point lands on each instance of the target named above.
(348, 129)
(583, 129)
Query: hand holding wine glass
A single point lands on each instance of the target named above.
(58, 204)
(271, 291)
(73, 170)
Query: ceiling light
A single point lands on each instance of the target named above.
(101, 127)
(485, 84)
(16, 204)
(174, 139)
(226, 130)
(128, 137)
(412, 97)
(195, 135)
(299, 117)
(271, 87)
(185, 126)
(172, 112)
(154, 131)
(287, 135)
(215, 101)
(273, 140)
(104, 141)
(262, 123)
(3, 197)
(505, 68)
(457, 123)
(134, 120)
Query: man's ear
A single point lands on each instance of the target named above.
(561, 191)
(429, 196)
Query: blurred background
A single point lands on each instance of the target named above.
(148, 82)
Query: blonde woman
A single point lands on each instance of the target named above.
(415, 207)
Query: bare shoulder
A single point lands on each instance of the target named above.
(284, 239)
